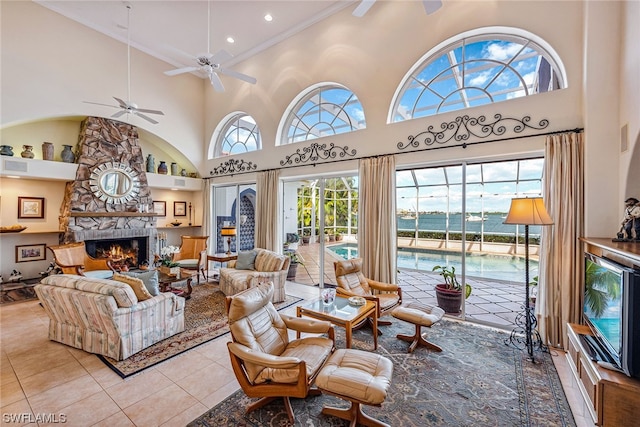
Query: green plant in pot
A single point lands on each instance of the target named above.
(449, 294)
(295, 259)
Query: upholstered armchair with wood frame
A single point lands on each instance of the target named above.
(351, 282)
(192, 254)
(72, 258)
(266, 363)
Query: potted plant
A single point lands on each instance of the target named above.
(294, 259)
(449, 293)
(165, 259)
(306, 236)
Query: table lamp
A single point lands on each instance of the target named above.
(228, 231)
(527, 211)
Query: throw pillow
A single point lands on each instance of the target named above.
(136, 284)
(149, 278)
(246, 260)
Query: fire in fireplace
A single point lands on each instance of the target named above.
(123, 253)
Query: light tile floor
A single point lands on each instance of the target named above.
(43, 378)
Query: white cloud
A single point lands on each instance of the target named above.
(502, 51)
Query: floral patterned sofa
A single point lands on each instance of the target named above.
(105, 316)
(268, 265)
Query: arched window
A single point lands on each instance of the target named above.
(238, 133)
(475, 69)
(324, 110)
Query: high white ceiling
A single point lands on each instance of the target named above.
(175, 31)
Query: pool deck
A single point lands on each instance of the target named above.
(492, 302)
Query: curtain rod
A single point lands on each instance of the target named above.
(463, 145)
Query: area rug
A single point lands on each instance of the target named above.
(205, 319)
(477, 380)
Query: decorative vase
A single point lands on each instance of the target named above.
(151, 163)
(28, 152)
(6, 150)
(183, 172)
(162, 167)
(67, 155)
(174, 168)
(47, 150)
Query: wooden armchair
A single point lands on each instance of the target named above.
(351, 282)
(72, 258)
(266, 364)
(193, 254)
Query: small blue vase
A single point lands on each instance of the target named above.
(6, 150)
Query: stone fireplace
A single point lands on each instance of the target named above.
(107, 150)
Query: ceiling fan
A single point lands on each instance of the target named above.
(210, 64)
(128, 107)
(430, 6)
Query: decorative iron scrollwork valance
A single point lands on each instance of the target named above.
(232, 166)
(315, 152)
(463, 128)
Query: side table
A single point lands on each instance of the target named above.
(221, 257)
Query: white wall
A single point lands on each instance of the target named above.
(50, 65)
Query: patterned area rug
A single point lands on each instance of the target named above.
(476, 380)
(205, 320)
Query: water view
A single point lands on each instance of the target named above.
(485, 266)
(491, 223)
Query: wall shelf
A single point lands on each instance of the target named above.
(106, 214)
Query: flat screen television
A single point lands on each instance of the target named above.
(612, 311)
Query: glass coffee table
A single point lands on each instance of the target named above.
(342, 313)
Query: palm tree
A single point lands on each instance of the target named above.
(595, 297)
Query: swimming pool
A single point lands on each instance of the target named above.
(486, 266)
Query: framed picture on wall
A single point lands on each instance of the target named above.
(179, 208)
(30, 253)
(30, 207)
(160, 208)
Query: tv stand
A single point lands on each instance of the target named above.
(612, 398)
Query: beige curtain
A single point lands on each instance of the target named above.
(206, 214)
(268, 211)
(561, 264)
(376, 218)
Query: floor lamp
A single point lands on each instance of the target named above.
(527, 211)
(228, 231)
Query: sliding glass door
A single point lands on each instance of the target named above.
(233, 218)
(322, 214)
(454, 216)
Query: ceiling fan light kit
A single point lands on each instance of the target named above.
(128, 107)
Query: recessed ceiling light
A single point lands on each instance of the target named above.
(230, 40)
(268, 17)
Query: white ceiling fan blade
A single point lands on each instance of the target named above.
(216, 82)
(363, 8)
(119, 113)
(144, 110)
(238, 75)
(180, 71)
(431, 6)
(121, 102)
(99, 103)
(147, 118)
(220, 56)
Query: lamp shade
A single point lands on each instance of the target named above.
(528, 211)
(228, 231)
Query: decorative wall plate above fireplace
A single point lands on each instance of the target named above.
(114, 182)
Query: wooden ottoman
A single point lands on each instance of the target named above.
(420, 315)
(360, 377)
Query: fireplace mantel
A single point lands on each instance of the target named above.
(108, 214)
